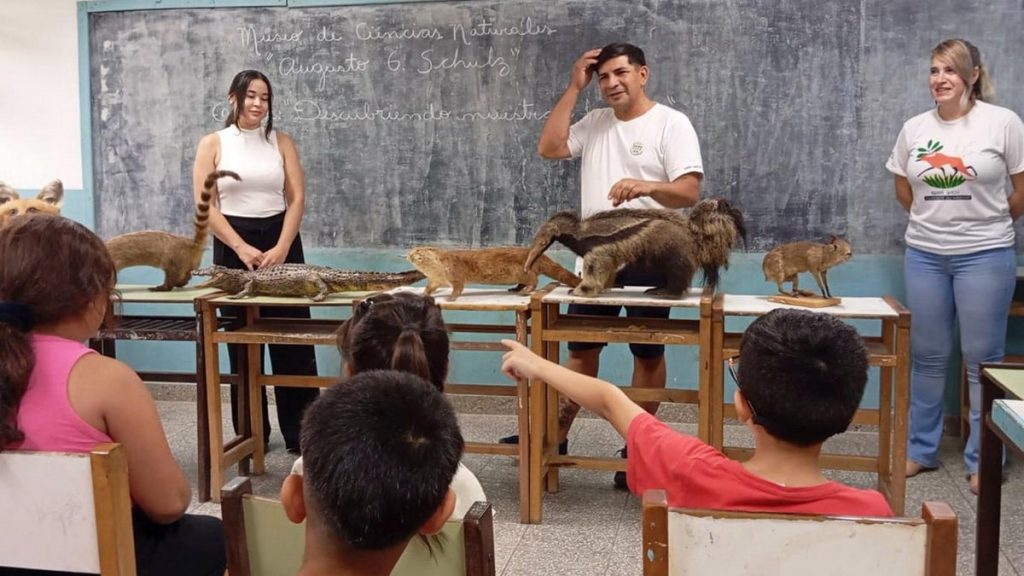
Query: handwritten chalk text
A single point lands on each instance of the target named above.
(251, 36)
(292, 67)
(526, 27)
(366, 32)
(431, 62)
(310, 110)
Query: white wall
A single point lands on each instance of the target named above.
(40, 124)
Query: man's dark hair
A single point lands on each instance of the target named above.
(632, 53)
(379, 452)
(803, 373)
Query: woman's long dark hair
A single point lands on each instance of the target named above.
(401, 331)
(53, 268)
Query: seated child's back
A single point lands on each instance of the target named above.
(800, 381)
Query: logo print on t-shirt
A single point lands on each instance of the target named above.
(937, 161)
(637, 148)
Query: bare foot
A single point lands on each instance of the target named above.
(973, 482)
(915, 468)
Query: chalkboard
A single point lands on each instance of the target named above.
(418, 123)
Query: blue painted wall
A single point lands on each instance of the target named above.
(864, 275)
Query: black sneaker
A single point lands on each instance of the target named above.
(563, 446)
(620, 477)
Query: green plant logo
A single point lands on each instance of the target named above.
(937, 161)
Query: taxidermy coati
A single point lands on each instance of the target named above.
(46, 202)
(176, 255)
(785, 263)
(662, 241)
(503, 265)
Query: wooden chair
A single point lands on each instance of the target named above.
(263, 542)
(67, 512)
(699, 542)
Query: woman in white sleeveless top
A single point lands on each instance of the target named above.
(255, 223)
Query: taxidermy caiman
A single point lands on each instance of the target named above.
(301, 280)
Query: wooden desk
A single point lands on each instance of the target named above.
(890, 352)
(484, 300)
(257, 330)
(552, 327)
(166, 329)
(251, 332)
(1002, 424)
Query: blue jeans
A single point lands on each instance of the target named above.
(976, 289)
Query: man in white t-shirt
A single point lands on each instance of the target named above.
(635, 154)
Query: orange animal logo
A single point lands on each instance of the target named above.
(47, 201)
(938, 161)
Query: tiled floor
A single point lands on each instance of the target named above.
(592, 529)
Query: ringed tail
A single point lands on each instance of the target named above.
(202, 217)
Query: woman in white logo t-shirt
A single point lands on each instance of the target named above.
(951, 165)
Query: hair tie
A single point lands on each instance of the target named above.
(17, 315)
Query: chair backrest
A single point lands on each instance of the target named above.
(704, 542)
(263, 542)
(67, 512)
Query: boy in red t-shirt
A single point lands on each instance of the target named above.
(801, 378)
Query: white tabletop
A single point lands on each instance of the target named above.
(142, 293)
(848, 307)
(497, 298)
(627, 296)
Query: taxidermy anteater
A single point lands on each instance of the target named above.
(662, 241)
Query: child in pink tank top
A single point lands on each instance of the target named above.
(56, 282)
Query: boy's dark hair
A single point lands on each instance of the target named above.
(401, 331)
(632, 53)
(803, 374)
(379, 452)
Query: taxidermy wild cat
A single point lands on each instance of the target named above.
(502, 265)
(46, 202)
(176, 255)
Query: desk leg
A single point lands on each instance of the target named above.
(202, 412)
(523, 413)
(538, 420)
(712, 398)
(901, 416)
(243, 427)
(213, 405)
(255, 397)
(886, 436)
(551, 426)
(990, 469)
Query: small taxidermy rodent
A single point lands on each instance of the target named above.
(785, 263)
(176, 255)
(502, 265)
